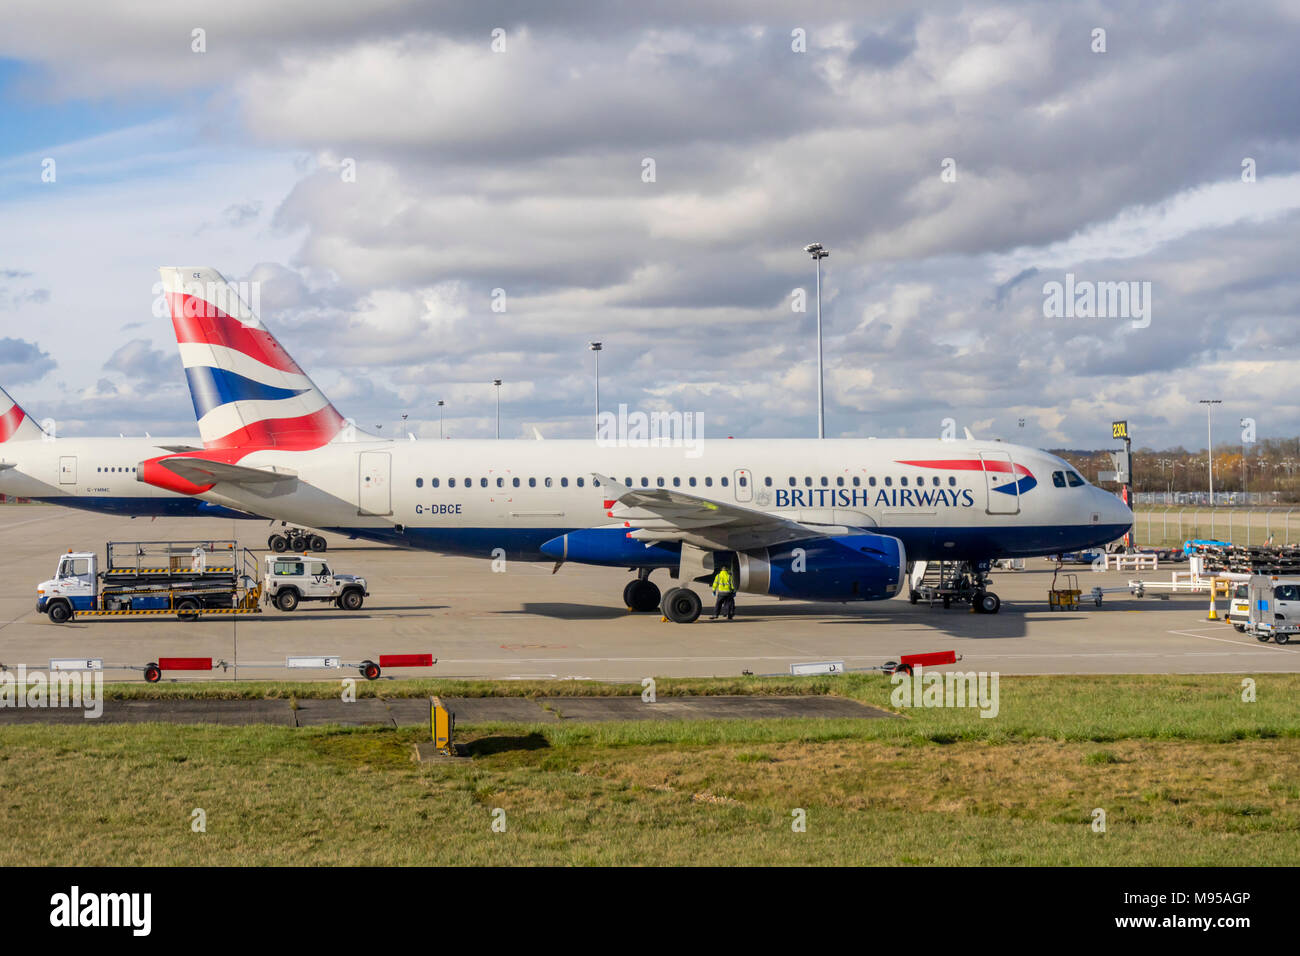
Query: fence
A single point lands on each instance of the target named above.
(1165, 527)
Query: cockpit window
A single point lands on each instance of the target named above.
(1075, 479)
(1058, 479)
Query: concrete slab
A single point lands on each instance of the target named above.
(483, 710)
(529, 623)
(364, 712)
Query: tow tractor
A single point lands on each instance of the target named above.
(963, 582)
(187, 579)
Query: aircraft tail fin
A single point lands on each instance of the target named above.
(16, 424)
(247, 390)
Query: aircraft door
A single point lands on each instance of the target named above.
(374, 481)
(744, 485)
(68, 470)
(1000, 479)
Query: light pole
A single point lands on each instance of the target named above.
(819, 253)
(597, 347)
(441, 403)
(1209, 404)
(497, 383)
(1244, 492)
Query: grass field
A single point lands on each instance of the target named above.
(1186, 772)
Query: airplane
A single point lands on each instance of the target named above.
(98, 474)
(817, 519)
(92, 474)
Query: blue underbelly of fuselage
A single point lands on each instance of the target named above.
(922, 544)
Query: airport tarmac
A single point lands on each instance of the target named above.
(527, 623)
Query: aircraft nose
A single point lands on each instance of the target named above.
(1116, 512)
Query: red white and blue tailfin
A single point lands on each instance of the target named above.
(16, 424)
(247, 391)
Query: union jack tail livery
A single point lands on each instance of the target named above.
(247, 391)
(16, 424)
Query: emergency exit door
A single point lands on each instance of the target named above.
(374, 480)
(68, 470)
(1000, 478)
(744, 486)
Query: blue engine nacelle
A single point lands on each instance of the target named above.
(851, 567)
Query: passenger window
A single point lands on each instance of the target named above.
(548, 482)
(1074, 479)
(532, 482)
(902, 481)
(451, 482)
(889, 482)
(857, 482)
(433, 482)
(564, 482)
(723, 482)
(419, 482)
(691, 481)
(742, 481)
(482, 482)
(677, 482)
(839, 480)
(501, 482)
(872, 481)
(469, 482)
(660, 481)
(515, 482)
(807, 481)
(952, 480)
(645, 482)
(792, 481)
(579, 481)
(1058, 479)
(936, 481)
(628, 482)
(708, 482)
(768, 481)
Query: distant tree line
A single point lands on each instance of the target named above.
(1270, 466)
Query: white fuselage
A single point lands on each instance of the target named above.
(94, 474)
(473, 497)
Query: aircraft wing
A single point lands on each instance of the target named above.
(668, 514)
(203, 472)
(7, 464)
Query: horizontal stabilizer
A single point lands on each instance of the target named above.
(202, 472)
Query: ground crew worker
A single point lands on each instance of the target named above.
(724, 586)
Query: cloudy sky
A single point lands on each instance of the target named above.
(380, 168)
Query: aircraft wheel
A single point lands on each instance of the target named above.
(317, 543)
(682, 606)
(298, 542)
(277, 543)
(989, 603)
(641, 595)
(913, 596)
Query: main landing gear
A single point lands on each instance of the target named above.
(641, 594)
(296, 539)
